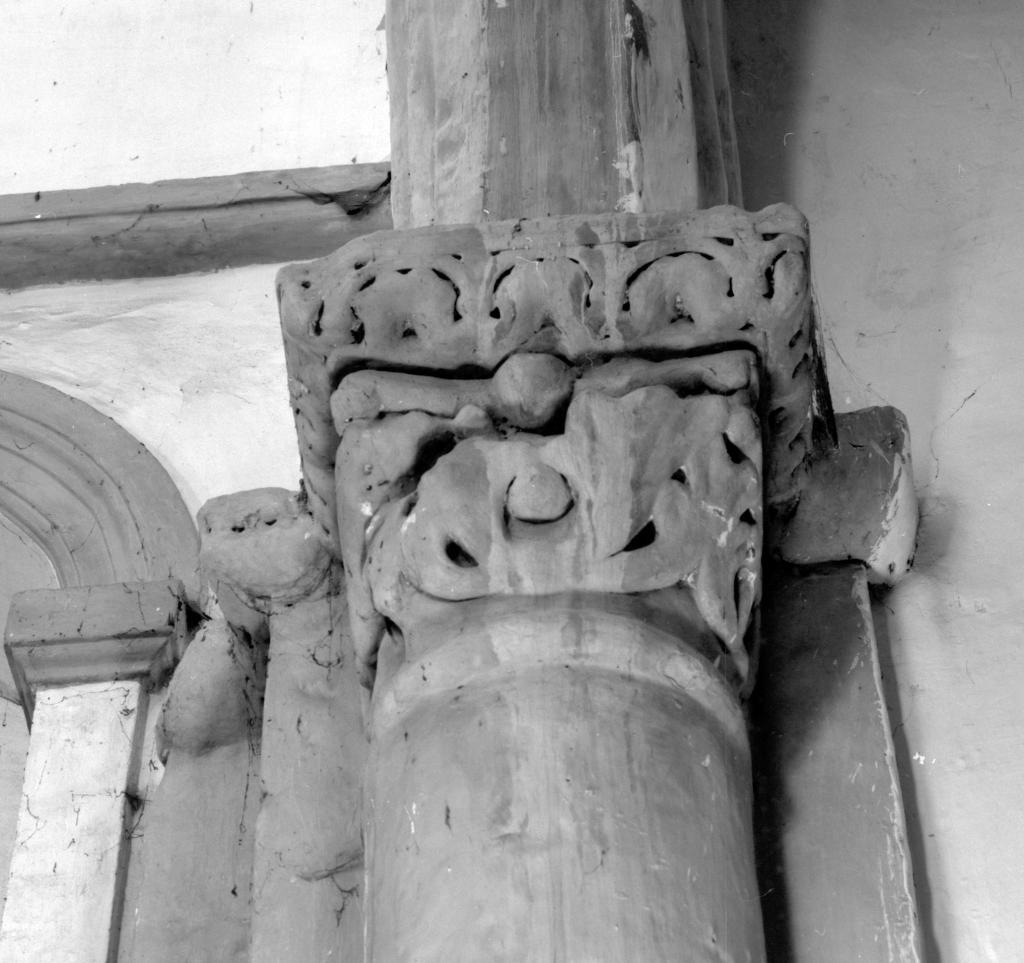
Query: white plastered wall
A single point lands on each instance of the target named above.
(902, 139)
(99, 92)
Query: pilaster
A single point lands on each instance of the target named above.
(83, 660)
(263, 556)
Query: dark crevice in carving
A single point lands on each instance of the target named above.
(735, 453)
(680, 313)
(306, 285)
(637, 31)
(315, 325)
(769, 276)
(431, 452)
(647, 264)
(506, 515)
(397, 636)
(680, 476)
(358, 202)
(747, 518)
(769, 237)
(727, 241)
(671, 354)
(737, 592)
(368, 283)
(730, 293)
(458, 556)
(349, 365)
(642, 538)
(403, 271)
(501, 277)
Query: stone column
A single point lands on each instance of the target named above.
(544, 480)
(552, 549)
(82, 659)
(559, 782)
(548, 452)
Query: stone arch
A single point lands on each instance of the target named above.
(95, 500)
(91, 498)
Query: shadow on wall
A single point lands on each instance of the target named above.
(765, 44)
(770, 58)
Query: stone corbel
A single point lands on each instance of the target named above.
(857, 499)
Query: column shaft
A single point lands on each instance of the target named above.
(561, 787)
(67, 871)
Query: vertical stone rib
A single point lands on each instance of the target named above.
(719, 62)
(533, 109)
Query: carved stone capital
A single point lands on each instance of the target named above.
(567, 405)
(449, 301)
(643, 493)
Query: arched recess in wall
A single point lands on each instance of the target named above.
(94, 500)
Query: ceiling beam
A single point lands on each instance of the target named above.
(185, 226)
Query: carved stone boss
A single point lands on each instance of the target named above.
(546, 453)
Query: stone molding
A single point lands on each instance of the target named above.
(94, 499)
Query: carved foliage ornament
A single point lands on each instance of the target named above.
(573, 405)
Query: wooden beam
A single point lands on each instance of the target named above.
(183, 226)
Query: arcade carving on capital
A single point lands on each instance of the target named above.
(580, 405)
